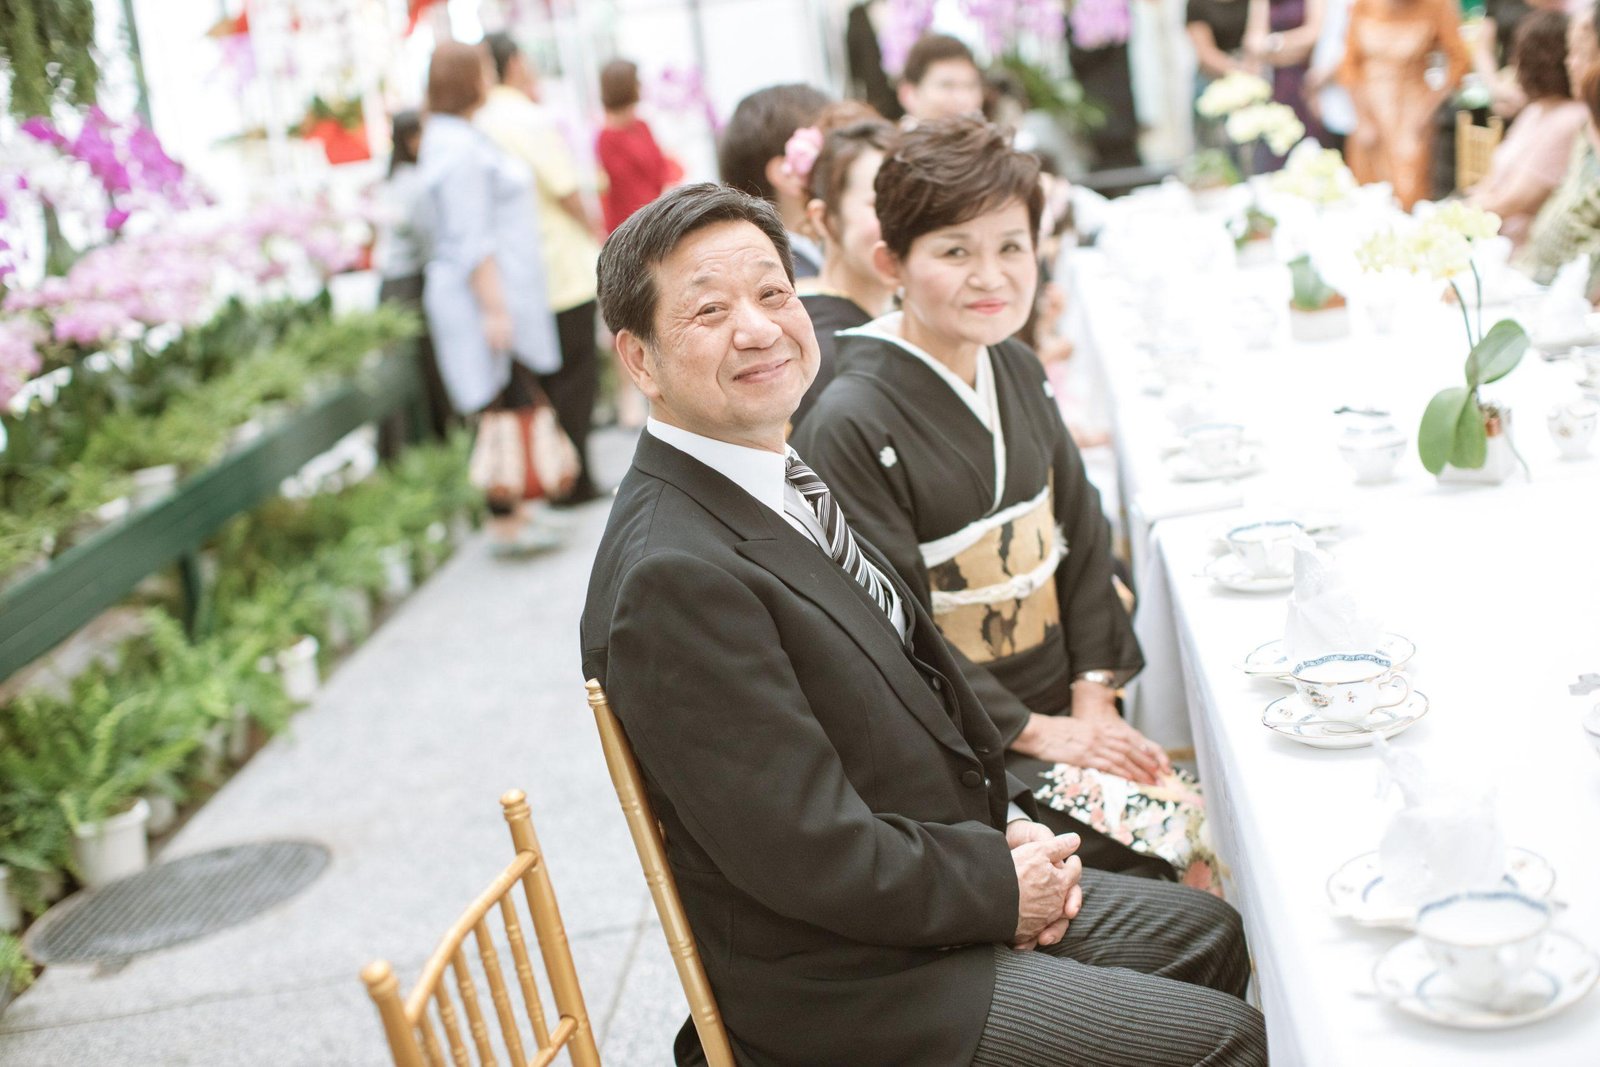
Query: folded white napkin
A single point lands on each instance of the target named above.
(1446, 838)
(1564, 312)
(1323, 615)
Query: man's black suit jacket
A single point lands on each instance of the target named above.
(832, 805)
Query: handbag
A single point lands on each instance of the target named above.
(522, 453)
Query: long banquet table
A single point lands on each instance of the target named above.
(1498, 586)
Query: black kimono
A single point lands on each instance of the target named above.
(829, 313)
(1018, 581)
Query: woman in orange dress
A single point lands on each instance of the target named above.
(1385, 68)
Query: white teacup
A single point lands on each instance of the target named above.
(1215, 445)
(1349, 686)
(1373, 457)
(1266, 548)
(1572, 427)
(1483, 940)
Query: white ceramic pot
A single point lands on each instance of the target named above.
(239, 734)
(349, 618)
(52, 886)
(460, 528)
(397, 581)
(163, 812)
(214, 752)
(153, 483)
(298, 665)
(1256, 252)
(113, 848)
(1373, 457)
(10, 907)
(1498, 465)
(1330, 324)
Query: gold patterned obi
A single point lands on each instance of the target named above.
(993, 582)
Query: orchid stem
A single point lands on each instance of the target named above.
(1477, 280)
(1466, 316)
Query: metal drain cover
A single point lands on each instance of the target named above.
(175, 902)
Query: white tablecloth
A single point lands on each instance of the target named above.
(1285, 395)
(1499, 586)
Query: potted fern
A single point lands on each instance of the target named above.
(1317, 311)
(1463, 437)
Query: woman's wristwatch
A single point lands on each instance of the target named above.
(1105, 678)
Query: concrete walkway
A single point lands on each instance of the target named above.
(472, 688)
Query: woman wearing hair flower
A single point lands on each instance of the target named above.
(848, 291)
(942, 443)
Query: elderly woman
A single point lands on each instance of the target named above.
(944, 446)
(485, 294)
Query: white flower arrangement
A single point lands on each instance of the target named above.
(1231, 92)
(1275, 124)
(1316, 174)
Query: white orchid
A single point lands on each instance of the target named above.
(1231, 92)
(1316, 174)
(1275, 124)
(1471, 222)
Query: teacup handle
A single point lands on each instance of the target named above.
(1405, 694)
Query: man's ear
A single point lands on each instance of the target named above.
(906, 93)
(787, 185)
(635, 360)
(886, 263)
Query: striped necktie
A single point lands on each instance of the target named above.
(841, 542)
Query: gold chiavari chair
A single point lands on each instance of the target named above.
(1475, 147)
(407, 1023)
(651, 845)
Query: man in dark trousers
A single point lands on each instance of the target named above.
(860, 872)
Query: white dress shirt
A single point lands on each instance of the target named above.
(765, 476)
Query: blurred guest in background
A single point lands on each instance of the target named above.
(1386, 70)
(401, 253)
(1281, 36)
(569, 235)
(1328, 100)
(1216, 30)
(941, 80)
(1531, 161)
(485, 294)
(636, 169)
(1568, 225)
(849, 291)
(751, 159)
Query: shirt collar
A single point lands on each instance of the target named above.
(758, 472)
(976, 396)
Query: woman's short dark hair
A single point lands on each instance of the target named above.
(951, 171)
(403, 136)
(842, 144)
(934, 48)
(1540, 55)
(502, 49)
(760, 127)
(619, 84)
(455, 79)
(626, 274)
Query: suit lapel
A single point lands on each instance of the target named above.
(803, 568)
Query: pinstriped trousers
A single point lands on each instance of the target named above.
(1149, 974)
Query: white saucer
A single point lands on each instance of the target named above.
(1271, 660)
(1185, 468)
(1290, 717)
(1564, 971)
(1357, 891)
(1230, 572)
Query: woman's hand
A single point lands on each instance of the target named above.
(497, 330)
(1105, 744)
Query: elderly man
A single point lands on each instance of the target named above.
(859, 870)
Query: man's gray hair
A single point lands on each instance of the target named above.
(627, 280)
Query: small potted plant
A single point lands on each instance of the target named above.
(1462, 438)
(1252, 236)
(1317, 311)
(16, 973)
